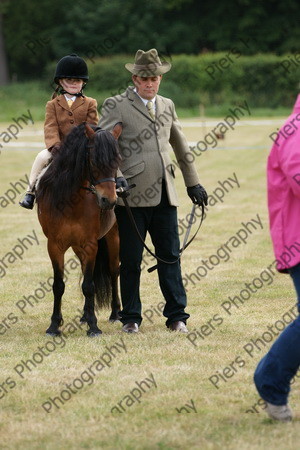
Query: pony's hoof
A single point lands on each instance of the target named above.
(83, 319)
(114, 317)
(53, 333)
(93, 333)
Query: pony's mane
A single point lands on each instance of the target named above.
(71, 165)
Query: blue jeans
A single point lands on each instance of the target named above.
(277, 368)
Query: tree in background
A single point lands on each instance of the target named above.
(39, 31)
(4, 78)
(28, 31)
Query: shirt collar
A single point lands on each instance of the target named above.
(144, 100)
(72, 98)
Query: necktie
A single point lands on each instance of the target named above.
(70, 103)
(151, 111)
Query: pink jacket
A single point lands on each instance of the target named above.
(283, 174)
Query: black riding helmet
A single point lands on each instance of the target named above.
(71, 66)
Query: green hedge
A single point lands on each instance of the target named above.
(263, 80)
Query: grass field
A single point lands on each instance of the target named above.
(33, 95)
(208, 372)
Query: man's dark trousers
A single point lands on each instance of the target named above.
(161, 223)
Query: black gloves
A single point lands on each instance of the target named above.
(197, 194)
(122, 187)
(121, 182)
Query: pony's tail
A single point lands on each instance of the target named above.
(101, 276)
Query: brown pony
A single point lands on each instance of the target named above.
(76, 198)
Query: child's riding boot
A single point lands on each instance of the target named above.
(28, 201)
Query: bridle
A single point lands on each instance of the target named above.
(93, 184)
(121, 192)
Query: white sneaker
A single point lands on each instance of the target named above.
(282, 412)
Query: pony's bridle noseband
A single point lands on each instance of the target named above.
(92, 187)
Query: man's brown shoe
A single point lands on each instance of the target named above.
(130, 327)
(178, 326)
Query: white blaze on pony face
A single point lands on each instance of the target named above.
(71, 85)
(147, 87)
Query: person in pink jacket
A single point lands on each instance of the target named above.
(277, 368)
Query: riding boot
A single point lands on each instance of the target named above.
(28, 201)
(41, 160)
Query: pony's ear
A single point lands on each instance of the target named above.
(117, 130)
(90, 133)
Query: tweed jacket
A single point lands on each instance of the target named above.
(60, 118)
(146, 146)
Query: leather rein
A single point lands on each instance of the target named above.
(122, 192)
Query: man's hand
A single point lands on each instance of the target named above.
(121, 182)
(122, 187)
(197, 194)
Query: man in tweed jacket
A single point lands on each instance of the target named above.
(150, 132)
